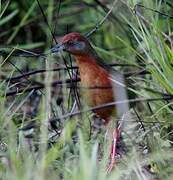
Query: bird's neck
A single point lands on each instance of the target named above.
(87, 64)
(91, 72)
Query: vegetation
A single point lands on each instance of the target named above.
(39, 138)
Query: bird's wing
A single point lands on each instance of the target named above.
(119, 88)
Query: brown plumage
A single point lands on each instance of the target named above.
(100, 88)
(94, 75)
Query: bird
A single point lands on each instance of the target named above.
(94, 74)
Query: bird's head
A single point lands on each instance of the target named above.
(74, 43)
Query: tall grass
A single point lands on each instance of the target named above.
(77, 150)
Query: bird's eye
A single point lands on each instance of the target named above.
(70, 43)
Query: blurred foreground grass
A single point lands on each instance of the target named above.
(139, 38)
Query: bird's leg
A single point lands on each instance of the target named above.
(116, 136)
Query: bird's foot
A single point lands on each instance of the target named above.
(113, 154)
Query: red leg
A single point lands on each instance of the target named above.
(116, 136)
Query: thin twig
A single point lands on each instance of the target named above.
(107, 105)
(65, 68)
(37, 87)
(46, 21)
(103, 20)
(153, 10)
(71, 83)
